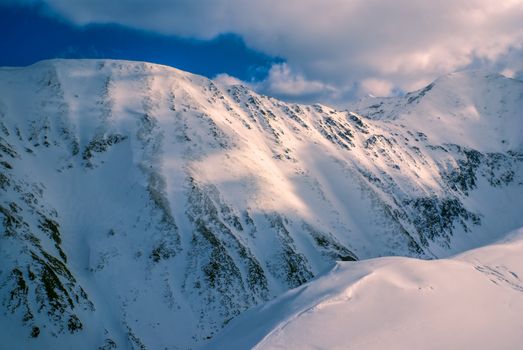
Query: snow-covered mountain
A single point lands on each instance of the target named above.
(145, 207)
(472, 301)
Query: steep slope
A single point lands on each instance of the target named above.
(474, 300)
(145, 207)
(480, 109)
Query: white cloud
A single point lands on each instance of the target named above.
(227, 80)
(377, 87)
(282, 81)
(509, 73)
(334, 44)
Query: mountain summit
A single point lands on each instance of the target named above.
(145, 207)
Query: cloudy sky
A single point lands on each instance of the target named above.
(329, 51)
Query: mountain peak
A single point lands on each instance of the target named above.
(144, 206)
(478, 107)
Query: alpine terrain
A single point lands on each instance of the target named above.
(142, 207)
(471, 301)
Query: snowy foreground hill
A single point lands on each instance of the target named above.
(472, 301)
(144, 207)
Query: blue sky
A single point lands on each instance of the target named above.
(327, 51)
(31, 34)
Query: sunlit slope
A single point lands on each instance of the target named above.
(471, 301)
(145, 206)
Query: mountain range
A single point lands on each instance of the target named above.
(143, 207)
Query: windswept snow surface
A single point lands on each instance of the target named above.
(142, 207)
(471, 301)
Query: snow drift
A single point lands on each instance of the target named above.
(473, 300)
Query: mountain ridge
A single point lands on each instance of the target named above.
(148, 206)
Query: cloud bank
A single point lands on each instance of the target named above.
(337, 49)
